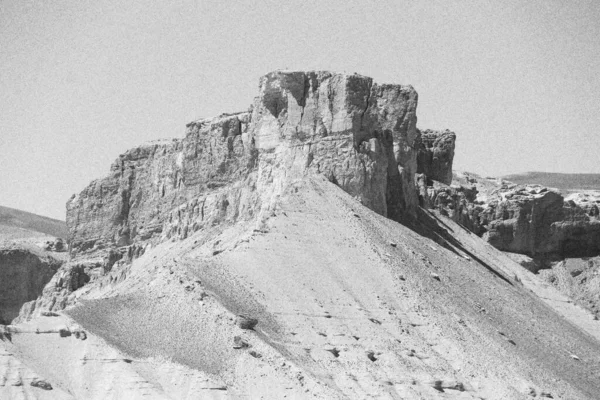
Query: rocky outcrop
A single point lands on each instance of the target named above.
(57, 245)
(436, 154)
(359, 134)
(538, 222)
(163, 189)
(24, 271)
(61, 289)
(588, 201)
(527, 219)
(362, 136)
(457, 202)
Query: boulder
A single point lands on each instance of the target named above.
(40, 383)
(245, 322)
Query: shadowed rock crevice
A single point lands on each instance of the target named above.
(24, 272)
(436, 154)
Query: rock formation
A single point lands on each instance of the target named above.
(538, 222)
(24, 271)
(527, 219)
(243, 254)
(362, 136)
(435, 155)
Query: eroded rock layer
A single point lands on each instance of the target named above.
(526, 219)
(359, 134)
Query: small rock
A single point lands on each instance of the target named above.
(239, 343)
(574, 357)
(393, 244)
(334, 351)
(40, 383)
(255, 354)
(245, 322)
(440, 385)
(81, 335)
(371, 356)
(576, 273)
(546, 395)
(64, 332)
(435, 276)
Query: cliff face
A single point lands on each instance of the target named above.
(527, 219)
(538, 222)
(360, 135)
(163, 189)
(24, 271)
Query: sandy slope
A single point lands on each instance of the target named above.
(350, 305)
(20, 224)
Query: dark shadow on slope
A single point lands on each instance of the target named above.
(432, 227)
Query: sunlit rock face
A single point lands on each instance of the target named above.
(359, 134)
(163, 189)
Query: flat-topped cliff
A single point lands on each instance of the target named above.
(359, 134)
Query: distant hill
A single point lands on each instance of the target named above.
(563, 182)
(18, 224)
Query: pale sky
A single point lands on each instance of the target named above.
(83, 81)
